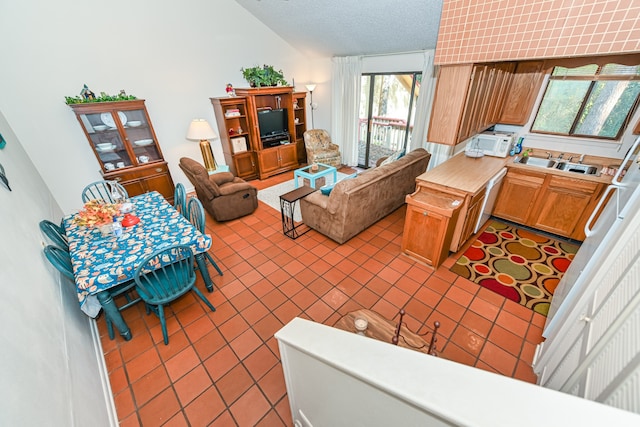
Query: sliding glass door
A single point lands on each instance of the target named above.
(386, 115)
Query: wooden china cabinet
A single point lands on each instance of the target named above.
(300, 123)
(122, 138)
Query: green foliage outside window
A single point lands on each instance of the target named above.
(589, 101)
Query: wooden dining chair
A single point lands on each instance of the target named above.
(160, 285)
(55, 233)
(195, 215)
(180, 199)
(109, 191)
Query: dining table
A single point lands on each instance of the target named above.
(102, 262)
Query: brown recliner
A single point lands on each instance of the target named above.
(224, 196)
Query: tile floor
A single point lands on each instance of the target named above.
(222, 368)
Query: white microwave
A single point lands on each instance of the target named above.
(491, 143)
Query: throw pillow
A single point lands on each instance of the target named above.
(392, 158)
(326, 189)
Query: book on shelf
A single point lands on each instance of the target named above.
(232, 112)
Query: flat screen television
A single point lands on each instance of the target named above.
(272, 122)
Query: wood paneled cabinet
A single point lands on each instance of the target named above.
(429, 225)
(468, 99)
(518, 195)
(300, 122)
(523, 90)
(123, 140)
(237, 141)
(556, 204)
(266, 156)
(276, 159)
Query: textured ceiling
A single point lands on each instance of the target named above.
(351, 27)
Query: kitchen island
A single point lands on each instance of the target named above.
(549, 199)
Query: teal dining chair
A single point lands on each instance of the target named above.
(180, 199)
(60, 259)
(159, 285)
(55, 233)
(109, 191)
(195, 215)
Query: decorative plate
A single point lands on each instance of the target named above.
(107, 119)
(143, 142)
(105, 148)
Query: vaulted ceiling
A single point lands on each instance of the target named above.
(351, 27)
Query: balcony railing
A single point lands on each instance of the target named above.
(387, 136)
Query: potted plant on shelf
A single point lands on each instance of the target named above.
(263, 76)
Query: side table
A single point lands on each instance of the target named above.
(287, 209)
(307, 174)
(383, 329)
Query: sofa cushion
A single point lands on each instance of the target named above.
(392, 158)
(326, 189)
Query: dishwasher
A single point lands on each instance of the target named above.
(493, 186)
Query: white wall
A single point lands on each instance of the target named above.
(50, 370)
(176, 55)
(337, 378)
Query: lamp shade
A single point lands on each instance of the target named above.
(200, 129)
(310, 88)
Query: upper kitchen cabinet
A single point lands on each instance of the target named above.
(523, 90)
(468, 99)
(122, 138)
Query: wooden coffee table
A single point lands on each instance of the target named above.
(383, 329)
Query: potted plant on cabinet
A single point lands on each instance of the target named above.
(263, 76)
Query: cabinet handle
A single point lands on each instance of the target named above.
(424, 213)
(158, 169)
(117, 179)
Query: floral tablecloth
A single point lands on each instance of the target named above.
(100, 263)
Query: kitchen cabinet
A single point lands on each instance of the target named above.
(473, 206)
(237, 142)
(518, 195)
(557, 204)
(522, 93)
(468, 99)
(123, 141)
(636, 130)
(429, 226)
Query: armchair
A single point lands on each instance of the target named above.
(320, 149)
(224, 196)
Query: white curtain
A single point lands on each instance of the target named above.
(344, 118)
(439, 152)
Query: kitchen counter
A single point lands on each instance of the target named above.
(467, 174)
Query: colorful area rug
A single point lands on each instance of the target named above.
(517, 264)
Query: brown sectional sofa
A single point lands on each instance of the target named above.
(355, 204)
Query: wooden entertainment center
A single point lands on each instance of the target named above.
(249, 155)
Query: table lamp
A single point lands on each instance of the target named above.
(200, 130)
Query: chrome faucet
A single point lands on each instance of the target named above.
(548, 155)
(560, 156)
(581, 159)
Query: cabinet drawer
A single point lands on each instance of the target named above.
(573, 185)
(139, 172)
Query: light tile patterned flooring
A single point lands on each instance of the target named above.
(222, 368)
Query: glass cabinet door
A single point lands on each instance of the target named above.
(121, 138)
(140, 137)
(106, 140)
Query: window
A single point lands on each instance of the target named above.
(589, 101)
(386, 114)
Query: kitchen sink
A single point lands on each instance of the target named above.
(577, 168)
(536, 161)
